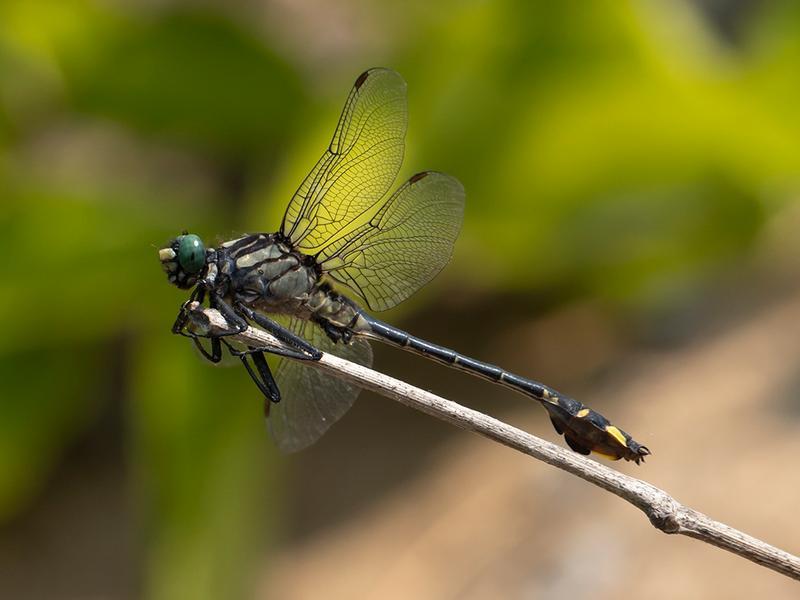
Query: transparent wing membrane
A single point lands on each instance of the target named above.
(358, 167)
(407, 242)
(312, 401)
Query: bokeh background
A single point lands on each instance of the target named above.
(633, 201)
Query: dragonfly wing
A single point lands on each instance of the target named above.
(405, 245)
(358, 167)
(311, 400)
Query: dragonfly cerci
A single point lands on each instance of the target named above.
(342, 231)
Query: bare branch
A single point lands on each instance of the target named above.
(664, 512)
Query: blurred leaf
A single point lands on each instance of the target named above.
(43, 406)
(43, 30)
(567, 109)
(624, 247)
(189, 75)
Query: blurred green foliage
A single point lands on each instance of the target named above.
(190, 76)
(608, 149)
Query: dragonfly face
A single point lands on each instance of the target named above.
(183, 260)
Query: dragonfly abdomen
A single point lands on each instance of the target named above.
(584, 429)
(339, 316)
(398, 337)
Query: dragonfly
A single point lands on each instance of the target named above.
(342, 230)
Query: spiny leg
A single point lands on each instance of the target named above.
(229, 314)
(262, 376)
(180, 321)
(287, 352)
(237, 316)
(233, 319)
(263, 379)
(198, 295)
(280, 332)
(216, 349)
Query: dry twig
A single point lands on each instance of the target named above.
(664, 512)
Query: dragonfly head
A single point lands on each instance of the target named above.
(183, 260)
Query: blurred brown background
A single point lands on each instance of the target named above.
(630, 238)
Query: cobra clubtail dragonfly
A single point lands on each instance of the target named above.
(338, 228)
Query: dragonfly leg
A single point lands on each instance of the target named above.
(180, 321)
(229, 314)
(216, 350)
(215, 301)
(262, 376)
(287, 352)
(198, 295)
(303, 348)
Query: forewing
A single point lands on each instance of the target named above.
(404, 246)
(358, 167)
(311, 400)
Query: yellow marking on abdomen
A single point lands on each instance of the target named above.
(617, 435)
(608, 456)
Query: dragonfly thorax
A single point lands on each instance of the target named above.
(263, 271)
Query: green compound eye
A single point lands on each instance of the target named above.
(191, 253)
